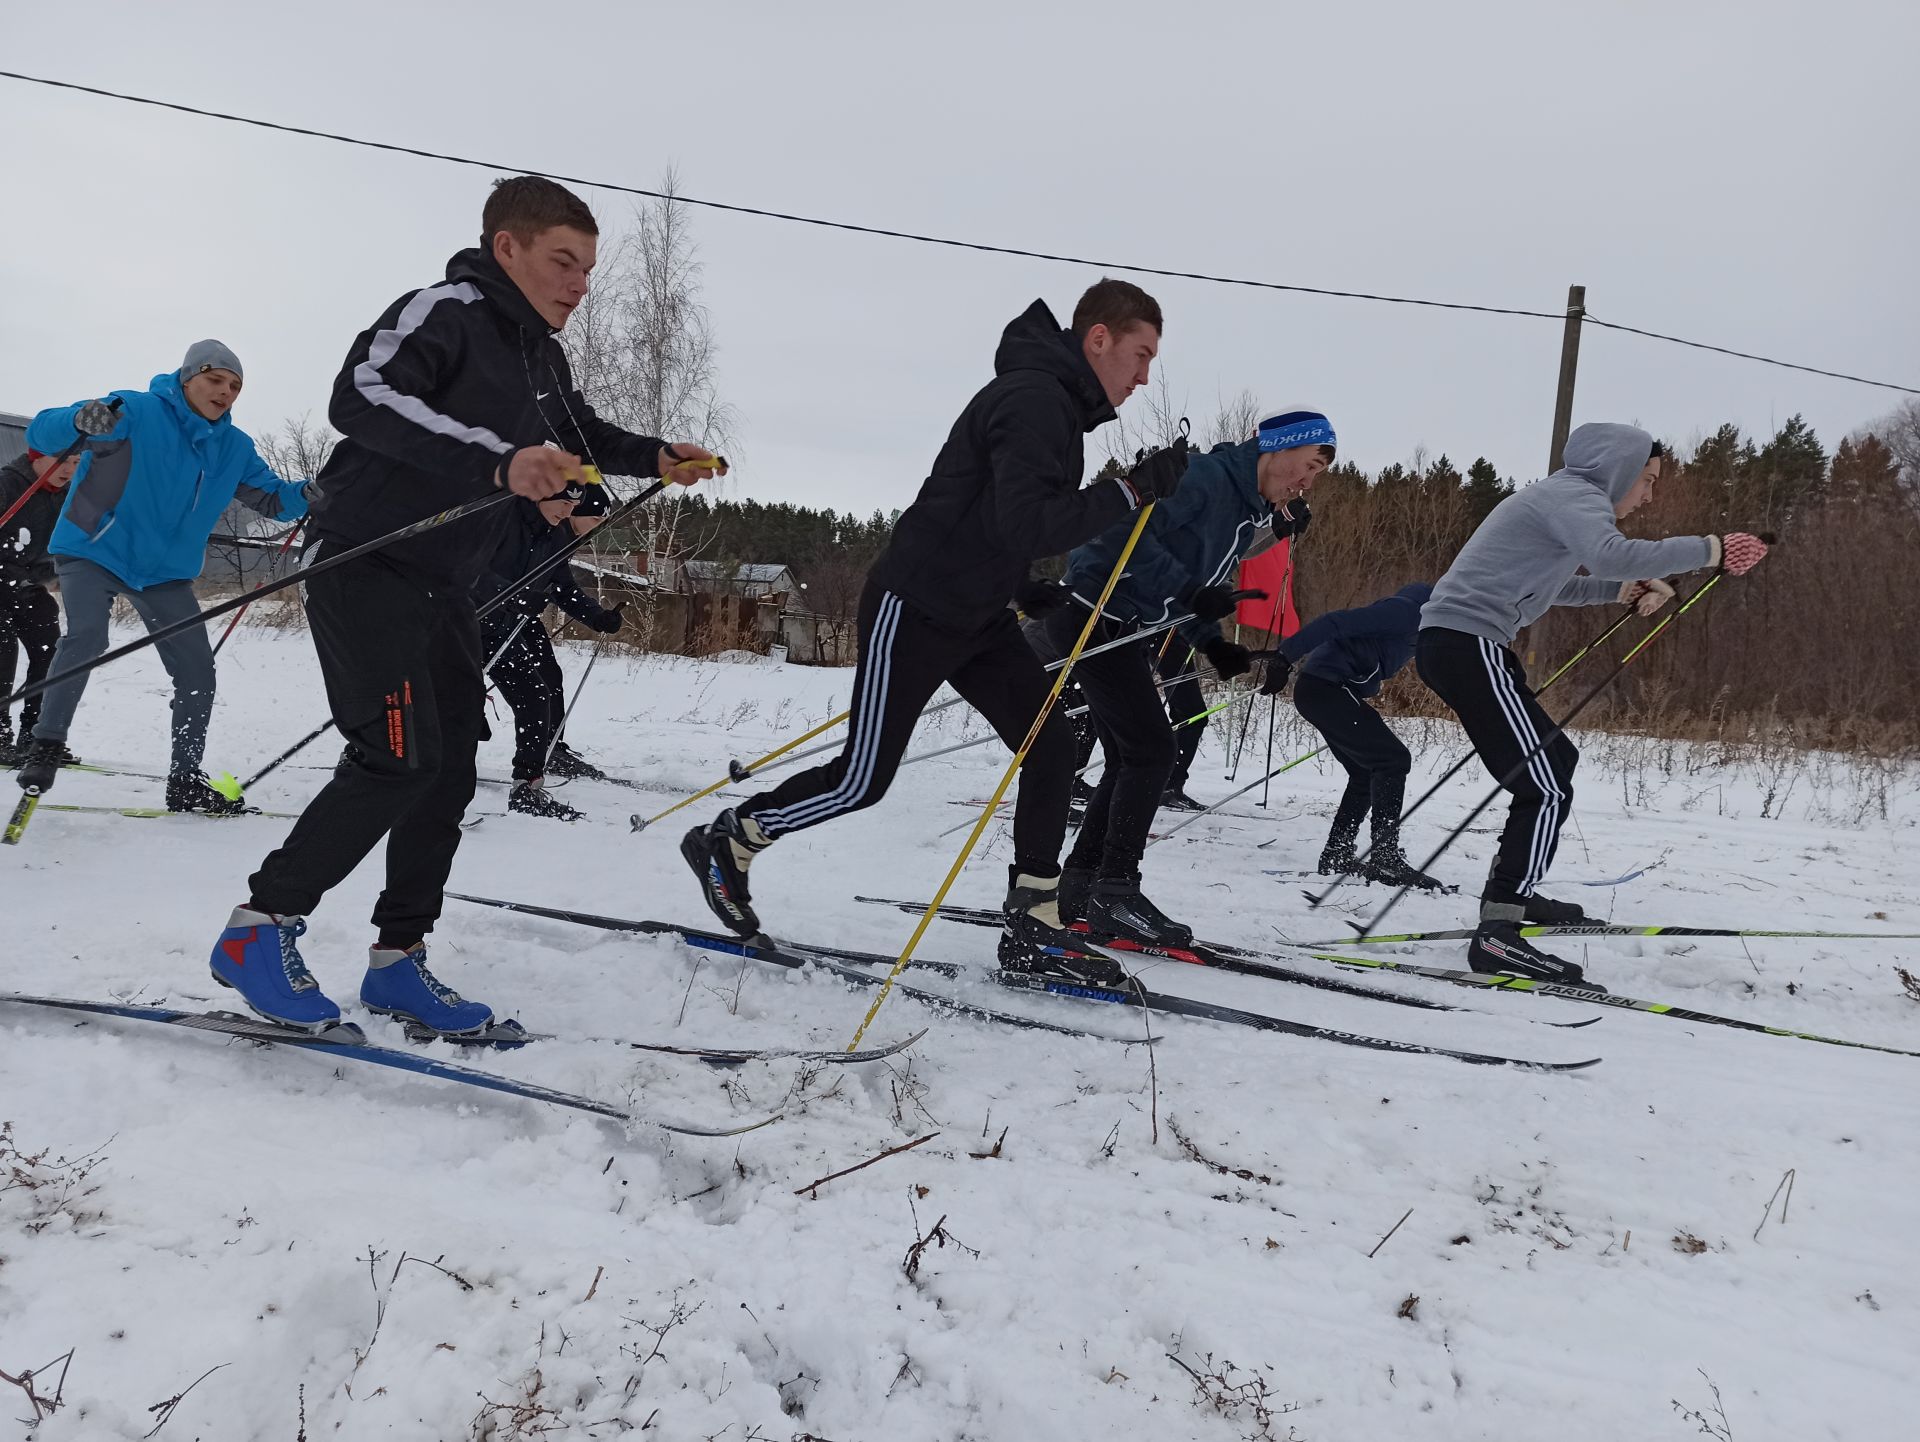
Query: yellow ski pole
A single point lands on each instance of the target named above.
(1006, 778)
(641, 823)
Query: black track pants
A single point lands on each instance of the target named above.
(1487, 688)
(528, 675)
(402, 670)
(904, 657)
(29, 615)
(1135, 737)
(1375, 760)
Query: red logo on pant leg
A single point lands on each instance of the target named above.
(236, 946)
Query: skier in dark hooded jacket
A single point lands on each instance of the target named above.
(1341, 659)
(1185, 561)
(1004, 491)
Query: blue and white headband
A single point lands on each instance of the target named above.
(1291, 429)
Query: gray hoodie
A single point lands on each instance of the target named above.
(1524, 556)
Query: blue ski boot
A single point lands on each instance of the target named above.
(256, 955)
(398, 984)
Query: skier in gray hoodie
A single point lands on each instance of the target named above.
(1525, 558)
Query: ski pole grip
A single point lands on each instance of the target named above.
(1249, 595)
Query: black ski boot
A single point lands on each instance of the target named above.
(1116, 907)
(1175, 799)
(1545, 911)
(1389, 865)
(1498, 949)
(720, 855)
(531, 798)
(570, 764)
(40, 763)
(1075, 883)
(1035, 944)
(1337, 856)
(191, 791)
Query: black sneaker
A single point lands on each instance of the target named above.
(1545, 911)
(1117, 907)
(720, 855)
(531, 798)
(1390, 866)
(191, 791)
(1498, 949)
(567, 762)
(1174, 800)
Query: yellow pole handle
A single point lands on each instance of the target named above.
(1006, 779)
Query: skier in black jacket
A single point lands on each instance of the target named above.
(1005, 490)
(523, 665)
(28, 612)
(458, 390)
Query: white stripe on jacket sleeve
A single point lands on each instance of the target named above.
(386, 343)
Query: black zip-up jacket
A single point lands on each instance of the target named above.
(529, 540)
(1005, 489)
(434, 399)
(23, 541)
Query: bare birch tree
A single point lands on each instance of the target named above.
(643, 353)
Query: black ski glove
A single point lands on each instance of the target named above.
(1293, 518)
(1279, 670)
(1040, 597)
(607, 622)
(1211, 603)
(1155, 477)
(1228, 659)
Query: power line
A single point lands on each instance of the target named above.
(948, 241)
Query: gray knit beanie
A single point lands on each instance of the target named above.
(209, 355)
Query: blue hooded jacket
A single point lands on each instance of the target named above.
(1361, 648)
(149, 492)
(1196, 537)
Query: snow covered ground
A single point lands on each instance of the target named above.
(1187, 1248)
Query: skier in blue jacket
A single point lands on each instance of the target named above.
(1342, 658)
(1185, 562)
(152, 482)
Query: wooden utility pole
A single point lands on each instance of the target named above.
(1569, 367)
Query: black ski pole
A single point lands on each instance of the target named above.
(234, 603)
(567, 715)
(1454, 770)
(1545, 741)
(285, 546)
(539, 570)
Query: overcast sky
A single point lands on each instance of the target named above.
(1741, 173)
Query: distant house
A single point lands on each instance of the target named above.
(13, 436)
(751, 579)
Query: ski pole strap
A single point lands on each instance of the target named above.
(1006, 777)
